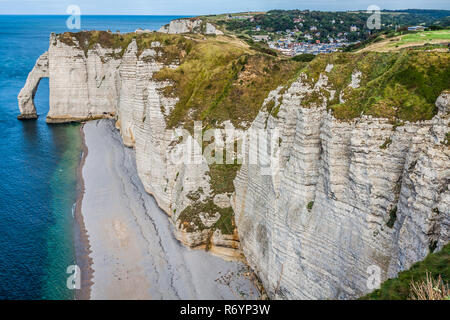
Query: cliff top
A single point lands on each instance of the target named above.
(219, 77)
(224, 78)
(400, 85)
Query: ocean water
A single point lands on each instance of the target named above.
(38, 182)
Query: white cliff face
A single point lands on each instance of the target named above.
(189, 26)
(347, 195)
(81, 86)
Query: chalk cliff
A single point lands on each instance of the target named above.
(351, 190)
(193, 25)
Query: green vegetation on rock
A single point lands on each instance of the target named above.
(190, 220)
(400, 288)
(392, 217)
(397, 85)
(386, 143)
(447, 139)
(305, 57)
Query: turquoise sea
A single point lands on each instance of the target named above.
(38, 186)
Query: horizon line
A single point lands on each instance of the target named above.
(206, 14)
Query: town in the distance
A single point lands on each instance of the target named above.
(295, 32)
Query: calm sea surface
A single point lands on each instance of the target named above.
(38, 183)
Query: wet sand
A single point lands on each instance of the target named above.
(129, 248)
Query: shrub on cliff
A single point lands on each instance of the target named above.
(306, 57)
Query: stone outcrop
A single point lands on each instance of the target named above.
(99, 84)
(81, 87)
(347, 195)
(193, 25)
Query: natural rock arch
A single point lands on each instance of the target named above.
(26, 95)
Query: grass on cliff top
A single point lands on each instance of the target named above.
(398, 85)
(425, 36)
(174, 47)
(220, 80)
(399, 288)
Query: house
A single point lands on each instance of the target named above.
(287, 52)
(313, 28)
(353, 28)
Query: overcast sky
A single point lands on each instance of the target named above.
(196, 7)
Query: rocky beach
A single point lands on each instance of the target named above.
(133, 251)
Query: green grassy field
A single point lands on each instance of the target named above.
(425, 36)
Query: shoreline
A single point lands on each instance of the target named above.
(128, 245)
(82, 246)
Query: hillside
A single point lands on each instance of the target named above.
(401, 86)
